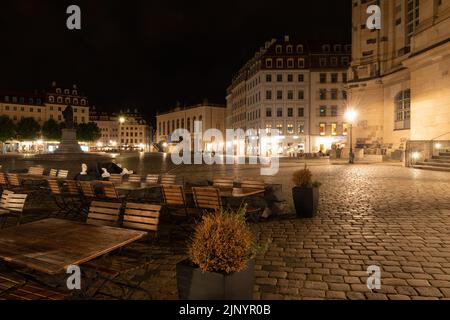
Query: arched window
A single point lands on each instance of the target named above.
(60, 100)
(75, 101)
(68, 100)
(67, 91)
(300, 48)
(289, 49)
(402, 102)
(51, 99)
(58, 91)
(75, 92)
(83, 102)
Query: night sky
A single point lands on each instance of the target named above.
(151, 54)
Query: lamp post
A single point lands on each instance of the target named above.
(351, 115)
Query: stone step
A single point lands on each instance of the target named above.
(439, 160)
(444, 154)
(432, 168)
(441, 157)
(434, 163)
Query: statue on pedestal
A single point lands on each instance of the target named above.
(68, 117)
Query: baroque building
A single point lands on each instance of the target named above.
(399, 80)
(297, 88)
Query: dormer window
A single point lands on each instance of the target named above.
(300, 48)
(301, 63)
(51, 99)
(75, 101)
(268, 63)
(337, 48)
(279, 63)
(68, 100)
(60, 99)
(75, 92)
(289, 49)
(58, 91)
(334, 61)
(290, 63)
(83, 102)
(67, 91)
(279, 49)
(326, 48)
(348, 47)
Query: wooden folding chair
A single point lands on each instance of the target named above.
(116, 178)
(3, 181)
(53, 173)
(152, 179)
(223, 183)
(254, 213)
(253, 184)
(174, 198)
(110, 192)
(134, 178)
(63, 174)
(14, 208)
(207, 198)
(14, 181)
(87, 190)
(168, 179)
(36, 171)
(112, 269)
(104, 213)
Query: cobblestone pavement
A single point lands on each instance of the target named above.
(385, 215)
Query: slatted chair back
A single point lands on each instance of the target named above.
(87, 189)
(4, 199)
(3, 179)
(223, 182)
(253, 184)
(168, 179)
(53, 173)
(139, 216)
(72, 187)
(116, 178)
(207, 198)
(53, 184)
(174, 195)
(109, 191)
(152, 179)
(16, 202)
(14, 180)
(63, 174)
(104, 213)
(134, 178)
(36, 171)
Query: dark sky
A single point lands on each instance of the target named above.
(149, 54)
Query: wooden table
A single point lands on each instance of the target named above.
(238, 192)
(50, 246)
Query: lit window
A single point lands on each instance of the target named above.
(334, 129)
(280, 128)
(290, 128)
(345, 129)
(323, 129)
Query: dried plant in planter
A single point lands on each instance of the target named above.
(302, 178)
(223, 242)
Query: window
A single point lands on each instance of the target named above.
(66, 91)
(301, 78)
(268, 128)
(345, 129)
(290, 128)
(344, 95)
(75, 101)
(412, 20)
(290, 95)
(182, 124)
(323, 129)
(159, 128)
(279, 63)
(269, 113)
(323, 111)
(290, 78)
(268, 95)
(279, 95)
(334, 61)
(6, 98)
(289, 49)
(280, 128)
(269, 63)
(326, 48)
(279, 49)
(280, 112)
(268, 78)
(301, 128)
(301, 63)
(75, 92)
(323, 62)
(300, 48)
(345, 61)
(323, 94)
(334, 111)
(334, 94)
(301, 112)
(290, 63)
(58, 91)
(301, 95)
(323, 78)
(334, 78)
(178, 123)
(279, 78)
(403, 110)
(22, 100)
(334, 129)
(290, 112)
(344, 78)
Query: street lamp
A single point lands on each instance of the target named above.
(122, 120)
(351, 115)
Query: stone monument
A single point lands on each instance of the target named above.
(69, 142)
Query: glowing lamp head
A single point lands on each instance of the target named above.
(351, 115)
(165, 145)
(416, 155)
(438, 145)
(122, 120)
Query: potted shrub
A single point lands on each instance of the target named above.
(221, 259)
(305, 193)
